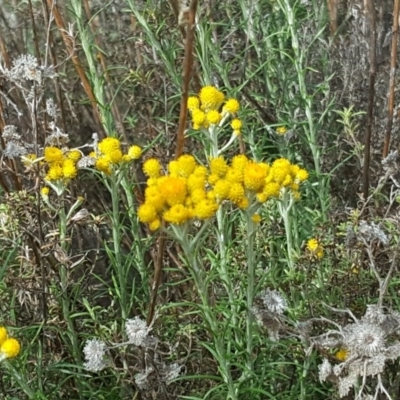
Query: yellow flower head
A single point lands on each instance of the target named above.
(154, 198)
(198, 118)
(205, 209)
(55, 172)
(134, 152)
(195, 182)
(236, 193)
(74, 155)
(154, 225)
(254, 176)
(10, 348)
(69, 169)
(239, 162)
(315, 248)
(152, 168)
(281, 130)
(198, 195)
(147, 213)
(236, 124)
(211, 98)
(342, 354)
(218, 166)
(213, 117)
(3, 335)
(271, 189)
(231, 106)
(256, 218)
(222, 189)
(177, 214)
(186, 164)
(173, 189)
(280, 169)
(193, 103)
(114, 156)
(109, 145)
(302, 175)
(103, 164)
(53, 155)
(45, 193)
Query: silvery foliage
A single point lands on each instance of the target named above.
(367, 233)
(372, 232)
(370, 342)
(14, 145)
(268, 309)
(94, 352)
(137, 332)
(27, 68)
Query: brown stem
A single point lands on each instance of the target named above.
(157, 278)
(393, 57)
(187, 72)
(370, 11)
(332, 8)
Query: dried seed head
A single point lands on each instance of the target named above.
(94, 352)
(137, 331)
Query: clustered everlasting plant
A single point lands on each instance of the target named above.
(192, 191)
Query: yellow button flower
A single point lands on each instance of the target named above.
(3, 335)
(281, 130)
(53, 154)
(109, 144)
(173, 189)
(10, 348)
(193, 103)
(236, 124)
(152, 168)
(213, 117)
(231, 106)
(147, 213)
(177, 214)
(69, 169)
(134, 152)
(211, 98)
(218, 166)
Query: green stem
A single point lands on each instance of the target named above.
(251, 231)
(284, 205)
(199, 278)
(66, 305)
(18, 377)
(116, 234)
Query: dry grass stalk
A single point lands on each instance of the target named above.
(393, 57)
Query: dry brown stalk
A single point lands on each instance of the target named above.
(187, 73)
(393, 58)
(180, 142)
(53, 55)
(78, 66)
(332, 8)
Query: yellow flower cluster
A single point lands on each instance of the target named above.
(9, 347)
(110, 153)
(206, 110)
(178, 196)
(244, 178)
(61, 165)
(315, 248)
(194, 191)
